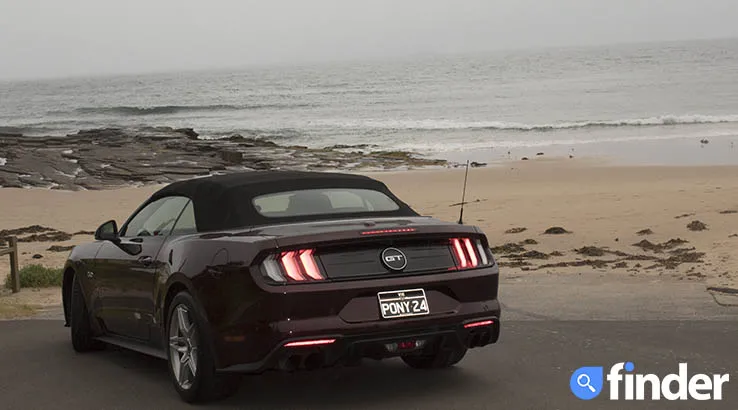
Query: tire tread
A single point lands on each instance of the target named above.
(83, 337)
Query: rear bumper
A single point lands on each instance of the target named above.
(251, 336)
(348, 349)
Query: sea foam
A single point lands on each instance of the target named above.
(124, 110)
(505, 144)
(432, 124)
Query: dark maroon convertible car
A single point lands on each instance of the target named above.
(277, 270)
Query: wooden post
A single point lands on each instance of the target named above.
(14, 275)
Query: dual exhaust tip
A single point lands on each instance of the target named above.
(311, 361)
(479, 338)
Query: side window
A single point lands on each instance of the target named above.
(186, 223)
(157, 218)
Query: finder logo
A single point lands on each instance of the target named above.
(625, 384)
(586, 382)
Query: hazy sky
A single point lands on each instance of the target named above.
(49, 38)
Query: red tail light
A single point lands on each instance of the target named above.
(459, 252)
(292, 266)
(387, 231)
(317, 342)
(308, 263)
(479, 324)
(469, 253)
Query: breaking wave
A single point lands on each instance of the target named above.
(176, 109)
(665, 120)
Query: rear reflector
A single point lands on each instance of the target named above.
(317, 342)
(478, 324)
(388, 231)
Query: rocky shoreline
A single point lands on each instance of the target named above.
(113, 157)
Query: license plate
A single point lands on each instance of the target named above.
(403, 303)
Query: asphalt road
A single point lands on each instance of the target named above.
(542, 343)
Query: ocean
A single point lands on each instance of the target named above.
(666, 103)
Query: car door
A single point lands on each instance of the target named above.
(127, 270)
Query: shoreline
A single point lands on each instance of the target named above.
(687, 151)
(111, 158)
(558, 162)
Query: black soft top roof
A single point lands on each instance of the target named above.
(225, 201)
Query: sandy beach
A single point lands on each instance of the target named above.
(602, 207)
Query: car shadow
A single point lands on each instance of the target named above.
(341, 387)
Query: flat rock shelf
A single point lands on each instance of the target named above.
(114, 157)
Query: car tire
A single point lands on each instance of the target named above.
(204, 383)
(440, 358)
(83, 337)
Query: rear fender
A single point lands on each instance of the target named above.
(214, 269)
(75, 266)
(176, 280)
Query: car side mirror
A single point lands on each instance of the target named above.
(107, 232)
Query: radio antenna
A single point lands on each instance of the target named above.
(463, 195)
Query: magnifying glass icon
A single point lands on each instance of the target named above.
(584, 381)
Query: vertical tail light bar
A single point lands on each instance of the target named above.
(289, 263)
(292, 266)
(271, 268)
(308, 263)
(469, 253)
(456, 242)
(482, 252)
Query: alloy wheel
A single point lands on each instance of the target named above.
(183, 349)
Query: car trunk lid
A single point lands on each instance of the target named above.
(366, 248)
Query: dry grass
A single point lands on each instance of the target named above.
(15, 311)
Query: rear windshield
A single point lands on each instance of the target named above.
(323, 201)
